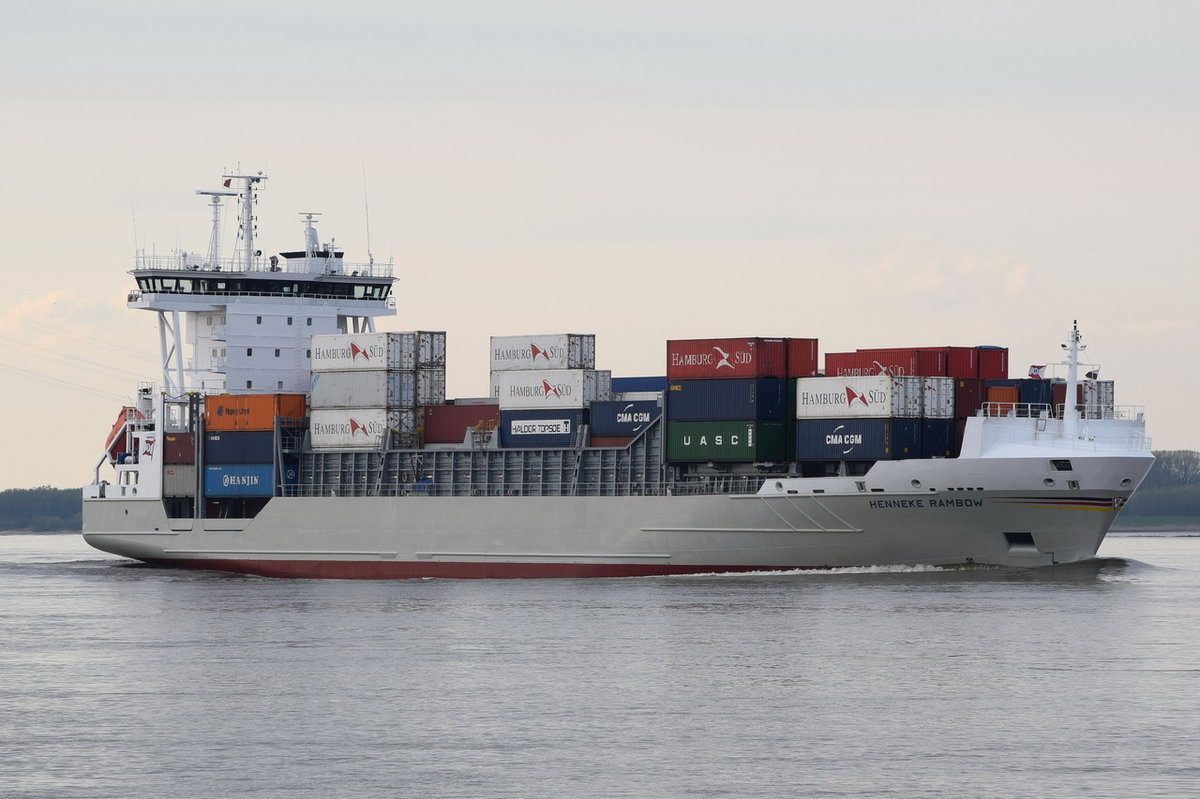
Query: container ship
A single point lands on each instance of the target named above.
(291, 438)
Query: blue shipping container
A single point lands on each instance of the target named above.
(239, 480)
(763, 399)
(622, 384)
(857, 439)
(240, 446)
(552, 428)
(1034, 392)
(937, 438)
(617, 418)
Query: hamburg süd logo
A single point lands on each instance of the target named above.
(852, 396)
(536, 351)
(356, 351)
(549, 390)
(357, 427)
(724, 358)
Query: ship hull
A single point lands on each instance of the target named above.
(780, 528)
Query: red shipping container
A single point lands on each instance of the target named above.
(1058, 396)
(448, 424)
(968, 396)
(1002, 400)
(802, 357)
(179, 448)
(709, 358)
(993, 363)
(905, 362)
(611, 441)
(960, 361)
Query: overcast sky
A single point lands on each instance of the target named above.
(867, 173)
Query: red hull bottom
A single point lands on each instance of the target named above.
(408, 570)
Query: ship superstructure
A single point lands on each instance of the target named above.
(290, 438)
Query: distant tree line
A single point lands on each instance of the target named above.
(42, 509)
(1171, 489)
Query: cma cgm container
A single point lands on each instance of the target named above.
(858, 397)
(378, 351)
(557, 427)
(548, 388)
(544, 351)
(239, 480)
(448, 424)
(857, 439)
(250, 411)
(905, 362)
(697, 442)
(699, 359)
(617, 418)
(713, 400)
(360, 428)
(240, 446)
(379, 389)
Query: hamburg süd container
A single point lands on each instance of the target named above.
(240, 446)
(802, 357)
(449, 424)
(728, 441)
(858, 397)
(543, 351)
(993, 363)
(379, 389)
(699, 359)
(617, 418)
(764, 399)
(857, 439)
(239, 480)
(250, 411)
(937, 397)
(551, 428)
(898, 362)
(547, 388)
(360, 428)
(342, 352)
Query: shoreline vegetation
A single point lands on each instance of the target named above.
(1167, 501)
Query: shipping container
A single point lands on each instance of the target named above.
(857, 439)
(240, 446)
(742, 441)
(960, 361)
(546, 388)
(1100, 398)
(993, 363)
(362, 428)
(179, 448)
(711, 358)
(969, 396)
(1058, 396)
(1002, 400)
(937, 438)
(549, 428)
(239, 480)
(937, 397)
(858, 397)
(379, 389)
(802, 357)
(613, 418)
(635, 396)
(543, 351)
(179, 480)
(450, 424)
(250, 411)
(622, 385)
(1034, 392)
(618, 442)
(897, 362)
(762, 399)
(379, 351)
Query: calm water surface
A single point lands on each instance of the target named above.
(120, 680)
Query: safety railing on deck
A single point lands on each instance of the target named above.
(195, 262)
(715, 485)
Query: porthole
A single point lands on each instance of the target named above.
(1126, 483)
(778, 486)
(1049, 483)
(916, 483)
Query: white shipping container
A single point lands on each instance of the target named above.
(546, 388)
(874, 397)
(390, 389)
(937, 397)
(378, 351)
(546, 351)
(359, 428)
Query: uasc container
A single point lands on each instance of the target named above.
(251, 411)
(745, 441)
(698, 359)
(543, 351)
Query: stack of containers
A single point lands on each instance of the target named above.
(368, 388)
(239, 442)
(987, 363)
(543, 385)
(726, 400)
(179, 464)
(859, 418)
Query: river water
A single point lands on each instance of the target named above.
(121, 680)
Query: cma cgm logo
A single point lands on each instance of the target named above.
(840, 438)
